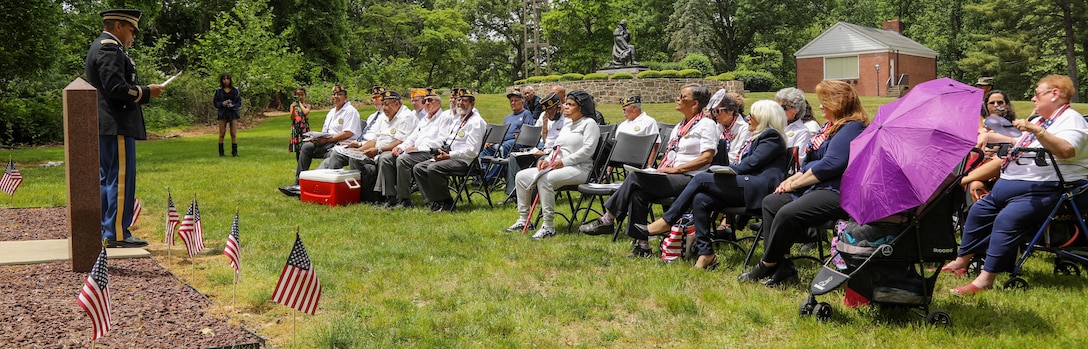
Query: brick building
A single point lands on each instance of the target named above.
(879, 62)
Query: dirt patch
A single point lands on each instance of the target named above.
(151, 307)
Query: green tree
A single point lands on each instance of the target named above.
(318, 30)
(725, 29)
(581, 31)
(243, 43)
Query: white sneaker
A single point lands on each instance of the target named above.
(543, 233)
(518, 226)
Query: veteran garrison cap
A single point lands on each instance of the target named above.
(549, 100)
(377, 90)
(128, 15)
(418, 92)
(430, 92)
(629, 100)
(464, 92)
(390, 96)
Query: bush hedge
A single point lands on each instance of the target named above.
(690, 73)
(535, 79)
(552, 78)
(621, 76)
(595, 76)
(659, 66)
(571, 77)
(649, 74)
(698, 62)
(756, 81)
(520, 82)
(669, 73)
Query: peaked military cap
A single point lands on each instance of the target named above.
(128, 15)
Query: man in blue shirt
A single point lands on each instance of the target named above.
(518, 116)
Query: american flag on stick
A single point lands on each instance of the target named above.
(172, 220)
(11, 180)
(233, 248)
(298, 287)
(192, 231)
(136, 209)
(95, 297)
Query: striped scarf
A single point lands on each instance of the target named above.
(819, 139)
(683, 130)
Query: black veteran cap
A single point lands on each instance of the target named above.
(629, 100)
(431, 92)
(390, 96)
(377, 90)
(128, 15)
(464, 92)
(550, 100)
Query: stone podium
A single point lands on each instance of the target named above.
(81, 172)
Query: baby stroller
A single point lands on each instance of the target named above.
(893, 264)
(1062, 233)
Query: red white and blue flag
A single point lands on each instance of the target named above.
(136, 209)
(192, 231)
(11, 180)
(95, 297)
(172, 220)
(298, 287)
(233, 249)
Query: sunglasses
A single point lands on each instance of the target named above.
(718, 111)
(997, 102)
(785, 106)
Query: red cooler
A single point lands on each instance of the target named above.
(329, 187)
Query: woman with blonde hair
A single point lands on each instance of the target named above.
(810, 197)
(762, 165)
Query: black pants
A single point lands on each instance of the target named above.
(786, 219)
(704, 194)
(638, 192)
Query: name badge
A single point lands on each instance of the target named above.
(392, 131)
(638, 129)
(461, 134)
(790, 134)
(340, 121)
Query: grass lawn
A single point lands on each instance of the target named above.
(410, 278)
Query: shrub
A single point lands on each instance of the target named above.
(552, 78)
(520, 82)
(595, 76)
(649, 74)
(669, 73)
(571, 77)
(659, 66)
(621, 76)
(690, 73)
(698, 62)
(727, 76)
(757, 81)
(535, 79)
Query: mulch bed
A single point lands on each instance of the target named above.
(151, 307)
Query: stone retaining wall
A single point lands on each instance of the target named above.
(656, 90)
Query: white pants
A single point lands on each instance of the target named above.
(546, 187)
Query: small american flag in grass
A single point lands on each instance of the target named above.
(172, 220)
(233, 249)
(191, 231)
(298, 287)
(136, 209)
(95, 297)
(11, 180)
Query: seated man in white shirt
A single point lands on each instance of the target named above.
(384, 134)
(550, 122)
(342, 122)
(637, 123)
(395, 167)
(461, 145)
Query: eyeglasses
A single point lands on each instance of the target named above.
(996, 102)
(786, 106)
(1043, 93)
(718, 111)
(682, 97)
(429, 100)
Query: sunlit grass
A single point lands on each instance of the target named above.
(410, 278)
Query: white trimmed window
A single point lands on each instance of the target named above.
(838, 68)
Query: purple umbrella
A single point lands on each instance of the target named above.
(911, 146)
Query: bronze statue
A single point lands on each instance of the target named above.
(623, 52)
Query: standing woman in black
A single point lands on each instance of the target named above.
(228, 100)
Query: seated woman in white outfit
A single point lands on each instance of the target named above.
(569, 164)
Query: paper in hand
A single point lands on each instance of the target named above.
(170, 79)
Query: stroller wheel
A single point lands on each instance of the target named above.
(822, 311)
(1016, 283)
(807, 305)
(939, 318)
(1066, 268)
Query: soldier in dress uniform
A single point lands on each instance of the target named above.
(120, 120)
